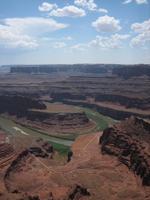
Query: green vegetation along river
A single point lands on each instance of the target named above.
(60, 143)
(11, 127)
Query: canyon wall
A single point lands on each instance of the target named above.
(130, 142)
(19, 105)
(50, 69)
(132, 70)
(115, 114)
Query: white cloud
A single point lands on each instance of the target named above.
(137, 1)
(46, 7)
(141, 39)
(143, 30)
(10, 38)
(65, 38)
(141, 27)
(24, 32)
(88, 4)
(141, 1)
(34, 25)
(80, 47)
(127, 1)
(103, 10)
(114, 41)
(107, 24)
(68, 11)
(59, 45)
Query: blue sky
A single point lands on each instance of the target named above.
(74, 31)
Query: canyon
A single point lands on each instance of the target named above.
(75, 132)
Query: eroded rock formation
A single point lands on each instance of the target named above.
(77, 192)
(6, 153)
(130, 142)
(18, 105)
(114, 113)
(68, 69)
(43, 150)
(59, 119)
(63, 122)
(132, 70)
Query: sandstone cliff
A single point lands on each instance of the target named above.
(130, 142)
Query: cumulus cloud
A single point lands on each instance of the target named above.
(137, 1)
(106, 24)
(114, 41)
(143, 31)
(103, 10)
(68, 11)
(141, 27)
(24, 32)
(88, 4)
(12, 39)
(46, 7)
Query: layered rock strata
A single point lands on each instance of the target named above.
(130, 142)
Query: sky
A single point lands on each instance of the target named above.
(74, 31)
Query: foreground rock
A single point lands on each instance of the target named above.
(130, 142)
(90, 175)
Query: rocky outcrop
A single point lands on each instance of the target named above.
(46, 146)
(124, 100)
(130, 142)
(67, 95)
(50, 69)
(7, 153)
(61, 122)
(115, 114)
(37, 151)
(18, 105)
(40, 150)
(58, 118)
(125, 71)
(21, 157)
(77, 192)
(6, 150)
(70, 154)
(33, 198)
(132, 70)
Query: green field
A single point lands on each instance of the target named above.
(101, 121)
(62, 149)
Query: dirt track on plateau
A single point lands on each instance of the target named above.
(103, 176)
